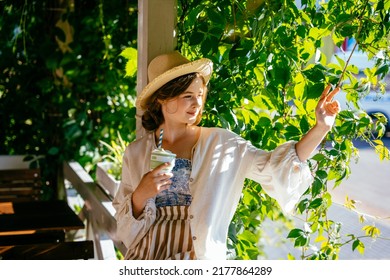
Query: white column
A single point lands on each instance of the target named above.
(156, 35)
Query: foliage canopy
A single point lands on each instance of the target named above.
(272, 63)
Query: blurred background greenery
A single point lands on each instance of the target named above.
(62, 81)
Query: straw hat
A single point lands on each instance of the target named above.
(165, 68)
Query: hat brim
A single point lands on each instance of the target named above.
(203, 66)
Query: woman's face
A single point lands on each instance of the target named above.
(186, 107)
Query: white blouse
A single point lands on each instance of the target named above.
(221, 161)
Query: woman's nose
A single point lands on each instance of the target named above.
(197, 101)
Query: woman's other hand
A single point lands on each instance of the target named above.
(152, 183)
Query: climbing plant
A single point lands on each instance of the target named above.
(272, 61)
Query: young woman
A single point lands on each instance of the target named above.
(185, 214)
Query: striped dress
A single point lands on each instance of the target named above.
(169, 238)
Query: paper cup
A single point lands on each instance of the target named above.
(160, 156)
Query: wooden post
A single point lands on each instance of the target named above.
(156, 35)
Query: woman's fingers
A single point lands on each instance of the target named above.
(324, 95)
(157, 180)
(326, 91)
(326, 101)
(162, 180)
(159, 168)
(330, 96)
(332, 107)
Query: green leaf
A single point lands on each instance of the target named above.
(264, 122)
(248, 235)
(292, 132)
(317, 187)
(301, 241)
(372, 231)
(304, 125)
(216, 17)
(315, 74)
(381, 150)
(322, 174)
(290, 256)
(53, 151)
(196, 38)
(316, 203)
(131, 55)
(357, 244)
(294, 233)
(382, 70)
(318, 157)
(386, 5)
(353, 69)
(317, 33)
(303, 205)
(207, 45)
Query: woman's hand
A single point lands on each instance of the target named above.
(327, 108)
(151, 184)
(326, 112)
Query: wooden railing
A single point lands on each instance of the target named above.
(97, 211)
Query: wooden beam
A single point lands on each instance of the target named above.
(156, 35)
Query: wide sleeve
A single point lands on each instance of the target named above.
(129, 229)
(282, 175)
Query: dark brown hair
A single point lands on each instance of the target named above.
(153, 116)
